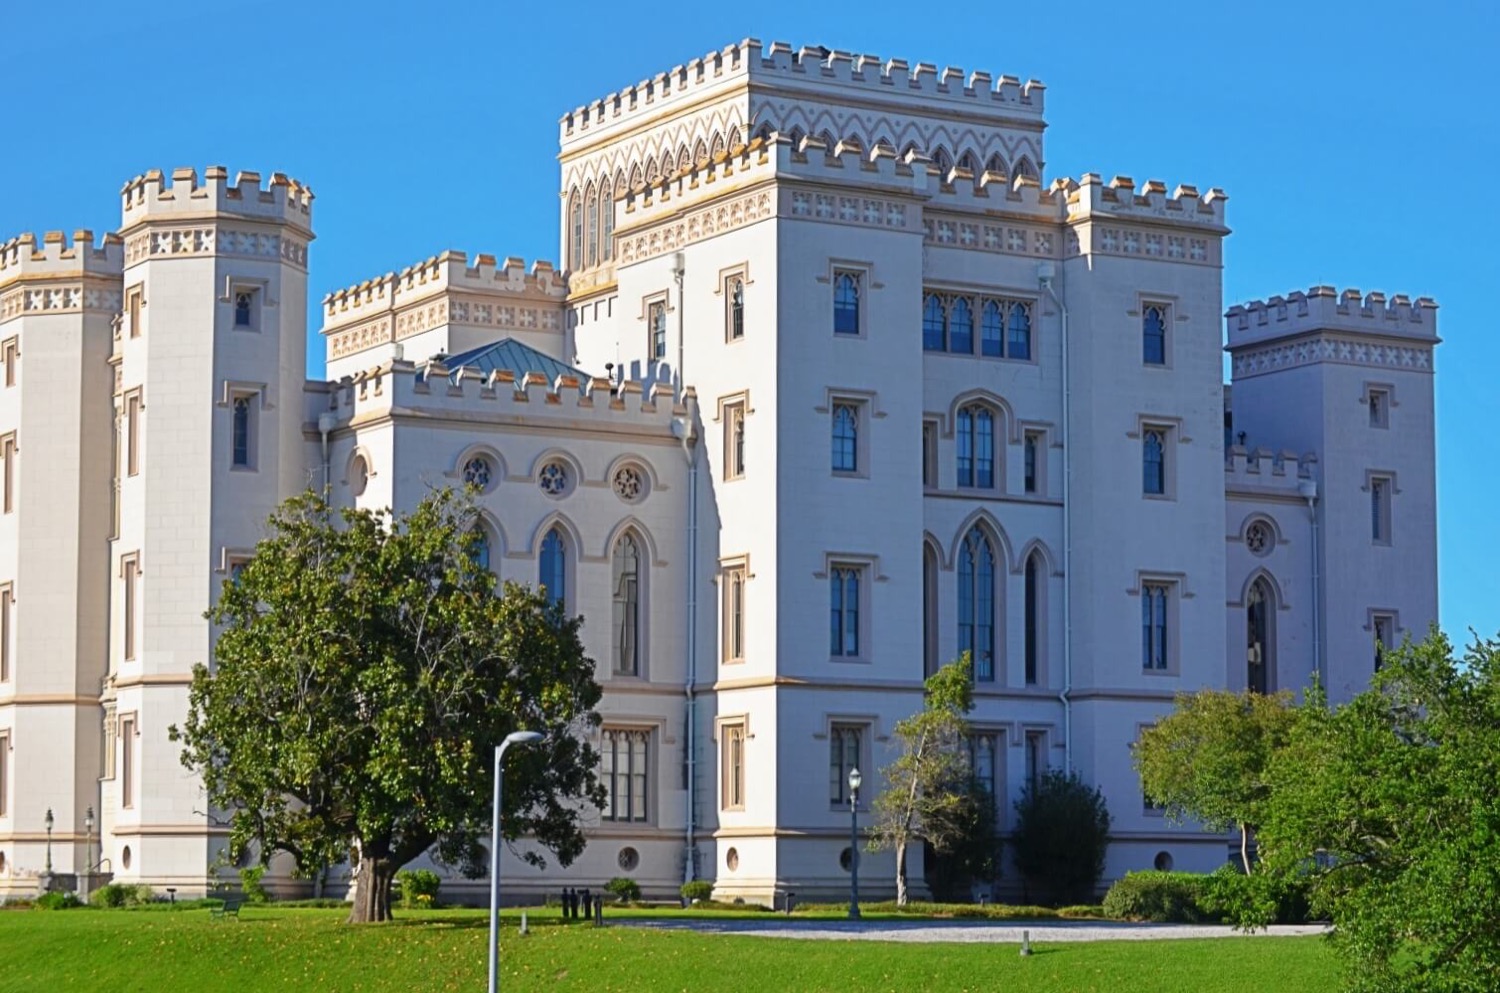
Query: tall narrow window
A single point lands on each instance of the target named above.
(734, 439)
(734, 612)
(8, 473)
(1380, 510)
(934, 324)
(244, 301)
(10, 350)
(845, 437)
(1257, 642)
(1034, 619)
(976, 447)
(7, 598)
(554, 566)
(242, 435)
(1154, 334)
(133, 303)
(4, 775)
(1030, 446)
(625, 773)
(733, 775)
(127, 762)
(846, 303)
(591, 214)
(844, 745)
(1154, 462)
(1036, 757)
(929, 610)
(656, 316)
(982, 761)
(133, 433)
(130, 572)
(607, 222)
(976, 603)
(1018, 344)
(992, 330)
(843, 594)
(961, 327)
(1154, 597)
(929, 453)
(575, 244)
(736, 308)
(1385, 626)
(627, 606)
(479, 551)
(1380, 408)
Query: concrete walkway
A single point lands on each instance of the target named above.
(961, 931)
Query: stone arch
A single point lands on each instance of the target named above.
(987, 522)
(560, 455)
(1039, 547)
(996, 402)
(631, 523)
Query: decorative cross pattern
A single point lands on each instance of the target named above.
(1258, 538)
(553, 479)
(629, 486)
(478, 472)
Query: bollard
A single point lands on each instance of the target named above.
(598, 913)
(1025, 943)
(588, 904)
(524, 928)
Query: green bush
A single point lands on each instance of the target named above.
(57, 901)
(250, 883)
(419, 888)
(114, 895)
(698, 890)
(1232, 895)
(1062, 833)
(1161, 897)
(624, 889)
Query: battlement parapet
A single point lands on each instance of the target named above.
(1091, 196)
(1261, 468)
(55, 256)
(448, 272)
(701, 180)
(1324, 308)
(714, 68)
(151, 197)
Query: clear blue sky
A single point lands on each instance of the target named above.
(1356, 140)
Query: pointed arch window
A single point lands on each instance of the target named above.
(479, 549)
(992, 330)
(1018, 345)
(575, 221)
(1154, 462)
(1034, 620)
(1154, 335)
(846, 303)
(976, 603)
(976, 447)
(736, 308)
(934, 324)
(845, 438)
(607, 222)
(627, 606)
(1257, 637)
(929, 610)
(591, 212)
(961, 327)
(554, 566)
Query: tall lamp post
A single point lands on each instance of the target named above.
(88, 842)
(515, 738)
(854, 780)
(48, 821)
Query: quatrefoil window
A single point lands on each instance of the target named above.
(1259, 539)
(630, 484)
(553, 479)
(478, 472)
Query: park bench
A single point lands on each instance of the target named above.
(230, 903)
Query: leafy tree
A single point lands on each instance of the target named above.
(930, 790)
(365, 672)
(1390, 807)
(1061, 837)
(1211, 758)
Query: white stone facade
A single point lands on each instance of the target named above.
(857, 388)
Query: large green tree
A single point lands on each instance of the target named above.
(930, 790)
(1389, 807)
(365, 670)
(1211, 758)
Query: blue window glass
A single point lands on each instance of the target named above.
(961, 328)
(934, 318)
(627, 607)
(976, 603)
(846, 303)
(991, 329)
(1018, 346)
(240, 442)
(479, 551)
(1154, 625)
(1033, 615)
(1153, 462)
(984, 449)
(1154, 335)
(965, 447)
(845, 438)
(843, 592)
(554, 566)
(658, 316)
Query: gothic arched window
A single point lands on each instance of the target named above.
(976, 447)
(575, 225)
(961, 327)
(554, 566)
(1018, 345)
(736, 309)
(1154, 462)
(846, 303)
(934, 324)
(976, 603)
(1034, 620)
(992, 330)
(606, 222)
(627, 607)
(591, 214)
(1257, 638)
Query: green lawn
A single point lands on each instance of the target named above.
(313, 950)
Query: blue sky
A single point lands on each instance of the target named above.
(1355, 140)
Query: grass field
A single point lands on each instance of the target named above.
(125, 951)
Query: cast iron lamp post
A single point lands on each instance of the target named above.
(854, 780)
(88, 841)
(515, 738)
(48, 821)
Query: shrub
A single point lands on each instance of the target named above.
(419, 888)
(624, 889)
(1062, 833)
(698, 890)
(1232, 895)
(114, 895)
(250, 883)
(1161, 897)
(57, 901)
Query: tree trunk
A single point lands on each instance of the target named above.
(372, 888)
(1245, 846)
(901, 874)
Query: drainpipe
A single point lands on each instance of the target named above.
(683, 430)
(327, 420)
(1045, 275)
(1309, 490)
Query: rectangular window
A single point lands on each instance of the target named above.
(1155, 455)
(734, 576)
(1155, 603)
(1036, 757)
(846, 301)
(734, 307)
(1154, 320)
(127, 762)
(1380, 408)
(134, 300)
(242, 434)
(1032, 448)
(130, 571)
(8, 473)
(656, 319)
(983, 760)
(626, 773)
(929, 453)
(845, 586)
(1380, 510)
(732, 775)
(111, 724)
(1384, 626)
(846, 437)
(4, 775)
(7, 623)
(133, 433)
(975, 438)
(734, 440)
(10, 350)
(845, 746)
(245, 299)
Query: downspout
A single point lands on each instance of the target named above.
(1045, 274)
(684, 430)
(1309, 490)
(327, 420)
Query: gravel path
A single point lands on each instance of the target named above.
(961, 931)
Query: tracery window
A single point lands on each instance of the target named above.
(845, 437)
(976, 603)
(976, 447)
(934, 324)
(625, 772)
(554, 566)
(1154, 461)
(1154, 334)
(1004, 325)
(846, 302)
(736, 309)
(844, 605)
(627, 606)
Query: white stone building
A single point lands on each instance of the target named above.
(832, 386)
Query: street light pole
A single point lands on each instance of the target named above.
(516, 738)
(49, 822)
(854, 781)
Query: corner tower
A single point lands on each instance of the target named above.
(210, 364)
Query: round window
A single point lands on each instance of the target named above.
(125, 857)
(2, 863)
(1259, 538)
(1163, 862)
(479, 472)
(359, 476)
(630, 484)
(732, 859)
(629, 858)
(846, 859)
(554, 479)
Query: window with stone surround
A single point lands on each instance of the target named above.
(845, 752)
(130, 575)
(1154, 322)
(7, 629)
(975, 436)
(10, 354)
(929, 453)
(127, 761)
(133, 432)
(243, 433)
(846, 302)
(846, 418)
(1158, 623)
(1004, 325)
(4, 773)
(1380, 508)
(734, 573)
(977, 593)
(733, 415)
(627, 608)
(1033, 453)
(732, 773)
(8, 473)
(656, 321)
(847, 586)
(625, 771)
(135, 302)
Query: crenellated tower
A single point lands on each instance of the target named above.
(209, 369)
